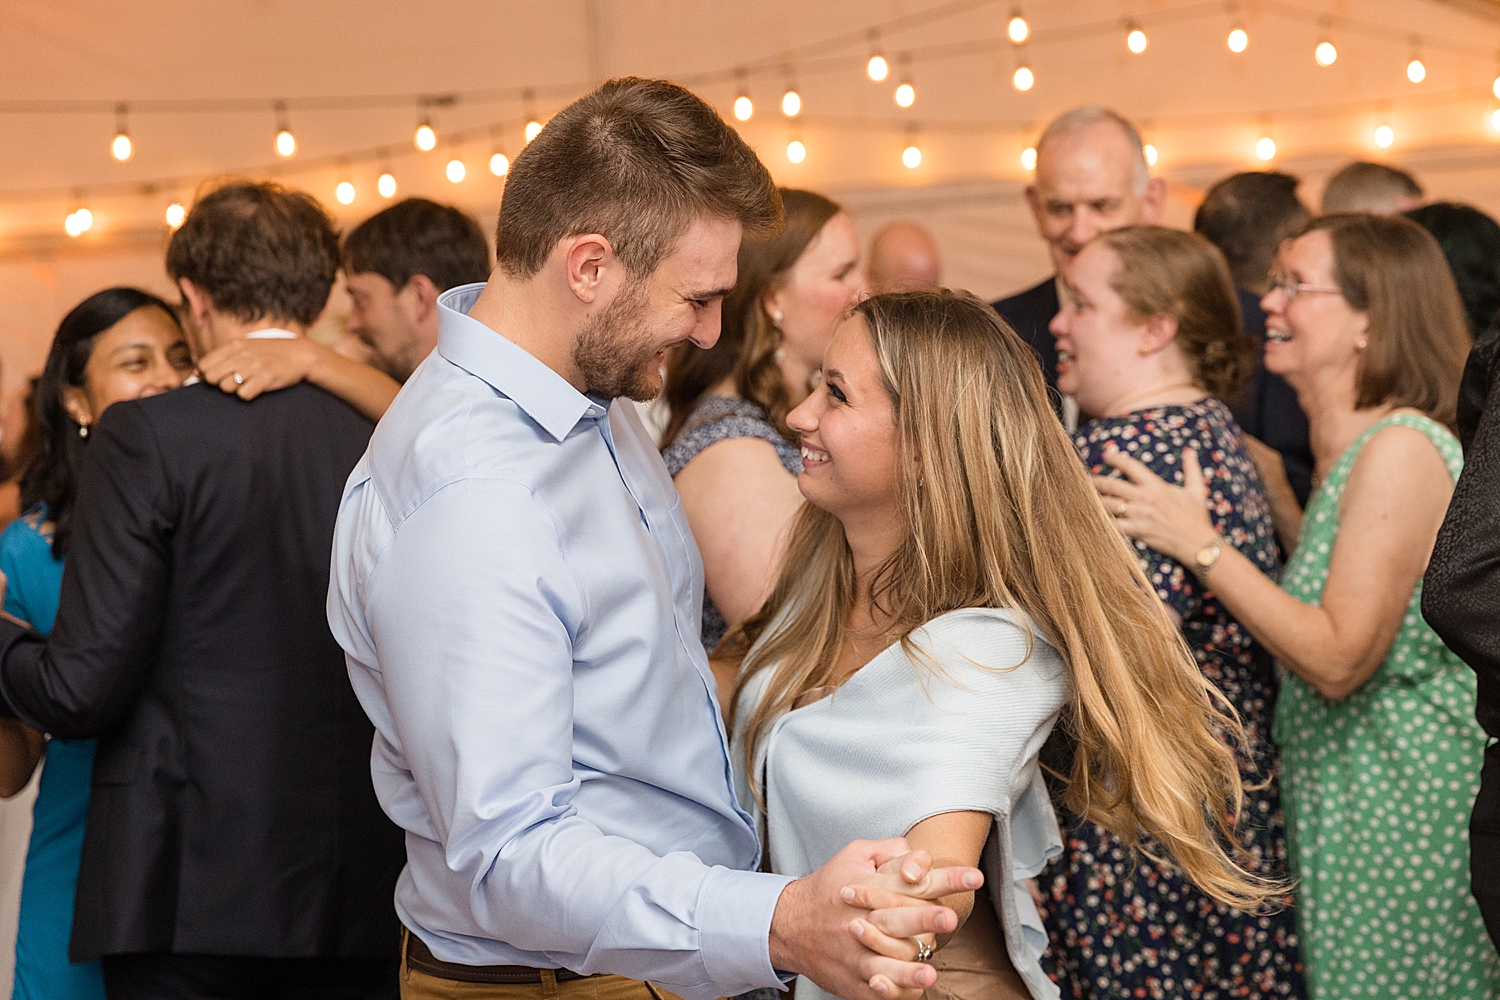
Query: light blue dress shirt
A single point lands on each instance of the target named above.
(519, 598)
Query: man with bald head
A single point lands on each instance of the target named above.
(904, 257)
(1091, 177)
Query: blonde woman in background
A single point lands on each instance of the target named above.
(951, 587)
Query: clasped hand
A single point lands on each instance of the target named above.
(851, 925)
(246, 368)
(1173, 520)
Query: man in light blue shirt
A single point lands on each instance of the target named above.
(519, 598)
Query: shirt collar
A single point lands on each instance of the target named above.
(541, 393)
(271, 333)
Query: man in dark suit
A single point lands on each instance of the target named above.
(234, 845)
(1248, 216)
(1091, 177)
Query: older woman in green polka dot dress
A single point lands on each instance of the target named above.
(1380, 750)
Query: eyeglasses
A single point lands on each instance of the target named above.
(1291, 289)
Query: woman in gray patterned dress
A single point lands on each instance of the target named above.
(727, 444)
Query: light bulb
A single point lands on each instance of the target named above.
(499, 164)
(456, 170)
(1136, 41)
(1384, 136)
(906, 95)
(1496, 86)
(533, 127)
(78, 222)
(70, 224)
(122, 148)
(175, 215)
(1024, 79)
(386, 185)
(425, 139)
(1018, 30)
(795, 151)
(1028, 158)
(791, 104)
(286, 143)
(1325, 54)
(1495, 120)
(1415, 71)
(344, 193)
(1150, 153)
(1238, 40)
(743, 108)
(911, 156)
(877, 68)
(1265, 147)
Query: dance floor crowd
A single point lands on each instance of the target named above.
(697, 602)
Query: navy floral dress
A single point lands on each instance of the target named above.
(1125, 926)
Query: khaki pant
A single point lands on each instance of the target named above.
(417, 985)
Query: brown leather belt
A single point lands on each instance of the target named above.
(420, 957)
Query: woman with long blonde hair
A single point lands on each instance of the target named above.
(953, 587)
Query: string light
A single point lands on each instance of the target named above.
(1325, 54)
(791, 103)
(911, 156)
(121, 148)
(344, 193)
(1495, 87)
(1238, 40)
(743, 107)
(1495, 119)
(795, 151)
(286, 143)
(1023, 79)
(1150, 153)
(533, 129)
(1265, 148)
(78, 222)
(1028, 158)
(1017, 30)
(877, 69)
(456, 171)
(425, 138)
(386, 185)
(499, 164)
(1136, 41)
(176, 214)
(1385, 136)
(1415, 71)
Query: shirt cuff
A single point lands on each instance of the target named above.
(12, 633)
(735, 928)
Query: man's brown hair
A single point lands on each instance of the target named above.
(636, 161)
(1393, 270)
(258, 250)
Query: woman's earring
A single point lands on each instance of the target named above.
(780, 355)
(83, 430)
(1361, 344)
(1143, 350)
(776, 317)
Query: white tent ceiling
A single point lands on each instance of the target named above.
(200, 81)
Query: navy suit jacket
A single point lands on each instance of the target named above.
(1030, 312)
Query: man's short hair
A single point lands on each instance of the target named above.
(417, 236)
(1247, 216)
(636, 161)
(258, 250)
(1366, 187)
(1077, 119)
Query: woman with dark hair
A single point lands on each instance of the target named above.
(1470, 240)
(1150, 340)
(1380, 750)
(727, 445)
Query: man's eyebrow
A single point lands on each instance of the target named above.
(717, 293)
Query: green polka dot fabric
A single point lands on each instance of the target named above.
(1377, 790)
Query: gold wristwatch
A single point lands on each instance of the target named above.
(1207, 557)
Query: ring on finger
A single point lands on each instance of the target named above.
(1121, 508)
(239, 379)
(924, 950)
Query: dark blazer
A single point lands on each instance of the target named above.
(1461, 591)
(1269, 410)
(232, 811)
(1030, 312)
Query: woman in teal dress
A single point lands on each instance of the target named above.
(117, 344)
(1380, 750)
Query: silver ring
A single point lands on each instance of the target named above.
(924, 950)
(1121, 508)
(239, 379)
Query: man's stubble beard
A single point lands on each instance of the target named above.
(616, 354)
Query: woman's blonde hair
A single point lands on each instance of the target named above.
(1003, 515)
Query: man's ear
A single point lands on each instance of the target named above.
(424, 295)
(591, 266)
(1154, 201)
(198, 305)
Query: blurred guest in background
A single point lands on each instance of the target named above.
(191, 639)
(728, 447)
(1471, 242)
(396, 263)
(18, 444)
(1380, 751)
(1091, 176)
(1461, 598)
(1149, 338)
(1247, 216)
(904, 256)
(1371, 187)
